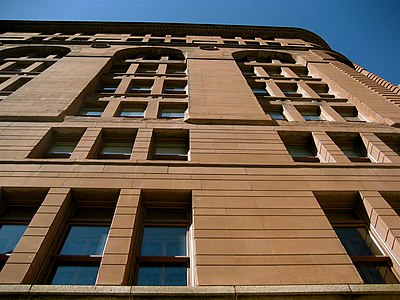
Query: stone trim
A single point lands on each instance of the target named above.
(337, 292)
(162, 29)
(375, 83)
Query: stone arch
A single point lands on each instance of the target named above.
(34, 52)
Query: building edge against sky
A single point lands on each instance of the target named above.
(151, 160)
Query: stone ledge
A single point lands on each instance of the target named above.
(276, 292)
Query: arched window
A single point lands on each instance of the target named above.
(19, 65)
(137, 76)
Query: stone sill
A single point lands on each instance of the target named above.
(362, 291)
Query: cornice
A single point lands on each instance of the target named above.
(88, 27)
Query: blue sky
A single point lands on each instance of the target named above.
(366, 31)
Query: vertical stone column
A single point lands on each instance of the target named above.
(142, 144)
(117, 258)
(378, 150)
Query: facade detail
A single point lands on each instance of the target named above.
(230, 162)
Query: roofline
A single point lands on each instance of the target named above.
(92, 27)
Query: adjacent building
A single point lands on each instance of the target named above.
(230, 162)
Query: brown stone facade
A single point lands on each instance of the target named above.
(270, 148)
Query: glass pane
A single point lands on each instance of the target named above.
(9, 237)
(91, 112)
(132, 112)
(61, 147)
(311, 116)
(351, 151)
(276, 116)
(172, 112)
(81, 274)
(162, 274)
(299, 151)
(375, 273)
(85, 240)
(112, 148)
(164, 241)
(171, 149)
(356, 241)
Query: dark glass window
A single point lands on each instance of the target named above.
(10, 235)
(164, 241)
(164, 274)
(85, 240)
(77, 273)
(61, 149)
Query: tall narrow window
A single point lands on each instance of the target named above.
(58, 143)
(18, 206)
(170, 145)
(300, 146)
(163, 258)
(114, 144)
(350, 221)
(351, 145)
(78, 258)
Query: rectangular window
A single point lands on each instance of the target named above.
(322, 90)
(392, 140)
(17, 208)
(163, 258)
(301, 72)
(141, 86)
(147, 69)
(132, 110)
(171, 111)
(109, 86)
(92, 110)
(349, 113)
(114, 144)
(290, 90)
(57, 143)
(79, 255)
(350, 221)
(175, 87)
(258, 88)
(351, 145)
(170, 145)
(310, 113)
(274, 71)
(300, 146)
(176, 69)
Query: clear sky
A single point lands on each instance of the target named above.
(366, 31)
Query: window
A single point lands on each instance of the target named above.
(79, 255)
(259, 89)
(290, 89)
(301, 72)
(109, 87)
(147, 68)
(300, 146)
(351, 145)
(132, 110)
(176, 69)
(275, 111)
(57, 143)
(175, 87)
(392, 140)
(230, 42)
(92, 111)
(393, 199)
(349, 113)
(274, 71)
(92, 108)
(350, 221)
(170, 145)
(163, 258)
(322, 90)
(247, 70)
(170, 111)
(114, 144)
(17, 208)
(310, 113)
(141, 86)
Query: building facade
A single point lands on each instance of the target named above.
(194, 161)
